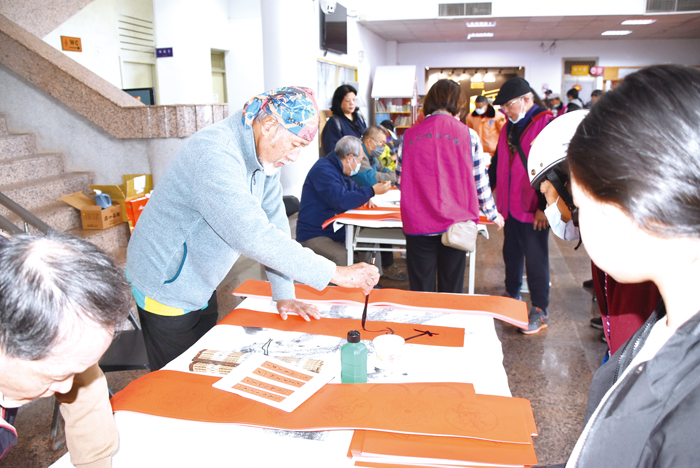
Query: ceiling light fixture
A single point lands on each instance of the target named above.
(481, 24)
(480, 34)
(616, 33)
(636, 22)
(477, 78)
(489, 77)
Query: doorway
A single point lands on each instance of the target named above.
(218, 77)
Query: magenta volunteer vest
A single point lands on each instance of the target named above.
(437, 176)
(514, 195)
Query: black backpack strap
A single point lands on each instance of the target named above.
(523, 158)
(337, 122)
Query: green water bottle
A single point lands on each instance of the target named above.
(353, 358)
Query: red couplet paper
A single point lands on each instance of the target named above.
(375, 214)
(461, 449)
(404, 408)
(502, 308)
(418, 334)
(368, 216)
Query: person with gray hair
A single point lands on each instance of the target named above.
(371, 169)
(61, 299)
(220, 198)
(328, 191)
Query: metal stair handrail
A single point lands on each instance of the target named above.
(26, 216)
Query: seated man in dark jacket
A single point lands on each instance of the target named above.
(328, 191)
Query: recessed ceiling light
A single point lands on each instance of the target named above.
(481, 24)
(481, 34)
(616, 33)
(634, 22)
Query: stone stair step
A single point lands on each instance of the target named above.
(58, 215)
(39, 192)
(3, 126)
(13, 146)
(31, 167)
(110, 240)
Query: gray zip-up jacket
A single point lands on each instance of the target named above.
(652, 417)
(213, 204)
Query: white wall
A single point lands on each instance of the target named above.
(86, 147)
(96, 26)
(244, 61)
(192, 29)
(542, 67)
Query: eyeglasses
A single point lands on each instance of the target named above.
(380, 144)
(508, 105)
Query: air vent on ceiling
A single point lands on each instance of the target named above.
(655, 6)
(464, 9)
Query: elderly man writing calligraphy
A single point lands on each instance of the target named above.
(218, 199)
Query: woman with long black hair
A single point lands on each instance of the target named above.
(346, 119)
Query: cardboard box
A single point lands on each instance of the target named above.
(93, 216)
(134, 208)
(134, 186)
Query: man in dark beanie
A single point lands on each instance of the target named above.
(526, 232)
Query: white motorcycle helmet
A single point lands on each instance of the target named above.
(550, 146)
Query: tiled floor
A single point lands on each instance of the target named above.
(552, 369)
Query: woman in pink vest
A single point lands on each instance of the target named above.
(443, 181)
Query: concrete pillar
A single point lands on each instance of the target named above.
(290, 48)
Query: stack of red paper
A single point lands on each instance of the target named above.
(496, 441)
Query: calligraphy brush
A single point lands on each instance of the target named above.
(364, 312)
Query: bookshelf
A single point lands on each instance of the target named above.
(398, 110)
(395, 94)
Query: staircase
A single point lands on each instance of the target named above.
(37, 182)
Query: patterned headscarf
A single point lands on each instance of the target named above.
(293, 107)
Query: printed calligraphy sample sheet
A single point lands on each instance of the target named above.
(273, 382)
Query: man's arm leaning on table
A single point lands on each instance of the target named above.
(91, 433)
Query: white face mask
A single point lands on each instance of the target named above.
(520, 115)
(480, 111)
(356, 170)
(566, 231)
(270, 169)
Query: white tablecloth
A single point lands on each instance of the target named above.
(152, 441)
